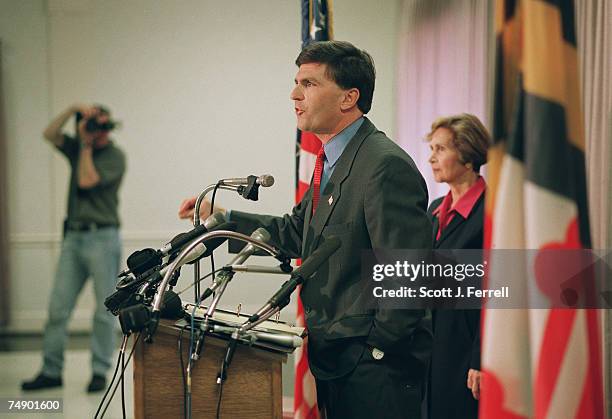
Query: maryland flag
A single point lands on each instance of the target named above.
(540, 363)
(316, 26)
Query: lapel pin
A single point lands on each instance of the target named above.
(330, 200)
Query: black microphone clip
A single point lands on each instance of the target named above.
(251, 190)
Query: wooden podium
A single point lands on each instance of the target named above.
(253, 388)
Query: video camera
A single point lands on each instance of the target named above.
(92, 125)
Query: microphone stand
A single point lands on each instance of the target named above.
(262, 315)
(155, 312)
(157, 301)
(248, 188)
(196, 222)
(238, 334)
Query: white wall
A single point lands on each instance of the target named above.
(203, 90)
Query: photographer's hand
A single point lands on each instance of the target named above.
(53, 132)
(85, 136)
(87, 112)
(88, 176)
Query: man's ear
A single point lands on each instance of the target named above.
(351, 96)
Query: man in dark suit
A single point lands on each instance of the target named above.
(367, 192)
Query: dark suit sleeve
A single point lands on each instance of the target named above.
(435, 204)
(396, 218)
(474, 319)
(286, 231)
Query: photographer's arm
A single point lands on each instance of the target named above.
(88, 176)
(53, 132)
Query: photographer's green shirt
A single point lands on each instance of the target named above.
(98, 204)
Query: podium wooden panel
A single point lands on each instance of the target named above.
(253, 388)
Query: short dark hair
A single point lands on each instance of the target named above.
(348, 66)
(103, 109)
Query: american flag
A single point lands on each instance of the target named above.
(538, 363)
(316, 26)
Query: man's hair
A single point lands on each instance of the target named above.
(470, 137)
(348, 66)
(103, 109)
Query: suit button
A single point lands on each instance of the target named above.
(377, 354)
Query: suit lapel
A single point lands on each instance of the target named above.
(331, 195)
(308, 214)
(436, 226)
(455, 222)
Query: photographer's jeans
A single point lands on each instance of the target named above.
(86, 254)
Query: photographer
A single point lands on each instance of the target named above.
(91, 246)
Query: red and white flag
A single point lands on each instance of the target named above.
(545, 362)
(316, 26)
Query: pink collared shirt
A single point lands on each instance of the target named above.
(463, 207)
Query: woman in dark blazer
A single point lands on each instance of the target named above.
(458, 146)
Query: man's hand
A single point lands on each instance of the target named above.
(187, 208)
(473, 382)
(88, 112)
(53, 132)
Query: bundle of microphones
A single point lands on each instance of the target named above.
(138, 283)
(144, 291)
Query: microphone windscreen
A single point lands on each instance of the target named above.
(266, 180)
(172, 307)
(318, 257)
(212, 244)
(183, 238)
(214, 220)
(142, 260)
(116, 300)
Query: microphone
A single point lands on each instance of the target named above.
(198, 252)
(299, 275)
(260, 234)
(248, 187)
(213, 222)
(263, 180)
(281, 339)
(172, 306)
(143, 260)
(284, 339)
(313, 262)
(127, 288)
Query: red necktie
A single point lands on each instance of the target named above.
(316, 182)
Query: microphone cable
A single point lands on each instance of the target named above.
(187, 399)
(199, 280)
(192, 322)
(122, 374)
(218, 416)
(123, 344)
(180, 354)
(123, 385)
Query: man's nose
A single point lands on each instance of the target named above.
(296, 93)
